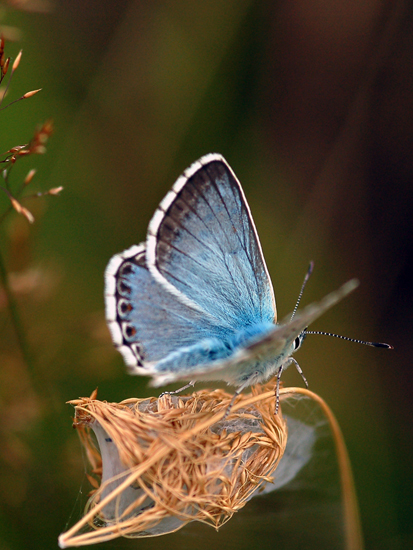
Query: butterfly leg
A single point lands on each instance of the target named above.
(236, 394)
(297, 366)
(191, 384)
(279, 373)
(277, 387)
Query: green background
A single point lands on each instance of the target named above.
(311, 103)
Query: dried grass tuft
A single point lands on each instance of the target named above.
(168, 461)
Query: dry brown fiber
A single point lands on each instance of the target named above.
(172, 460)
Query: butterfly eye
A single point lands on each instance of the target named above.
(297, 343)
(299, 340)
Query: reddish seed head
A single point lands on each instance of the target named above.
(16, 149)
(6, 66)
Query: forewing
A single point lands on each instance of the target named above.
(203, 247)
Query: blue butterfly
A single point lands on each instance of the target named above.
(195, 301)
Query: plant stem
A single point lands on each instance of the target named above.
(15, 316)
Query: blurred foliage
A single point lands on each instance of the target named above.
(311, 104)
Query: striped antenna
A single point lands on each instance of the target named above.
(374, 344)
(307, 276)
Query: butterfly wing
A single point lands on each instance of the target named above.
(261, 358)
(198, 280)
(203, 247)
(146, 322)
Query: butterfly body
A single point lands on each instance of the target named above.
(195, 301)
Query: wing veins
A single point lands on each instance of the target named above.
(219, 246)
(186, 269)
(243, 247)
(202, 243)
(220, 322)
(206, 226)
(199, 217)
(236, 233)
(244, 211)
(189, 233)
(184, 253)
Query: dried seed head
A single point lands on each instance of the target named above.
(21, 209)
(30, 94)
(16, 149)
(6, 66)
(29, 176)
(94, 393)
(17, 61)
(178, 455)
(55, 190)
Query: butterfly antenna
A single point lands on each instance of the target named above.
(307, 276)
(374, 344)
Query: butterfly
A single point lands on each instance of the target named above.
(195, 301)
